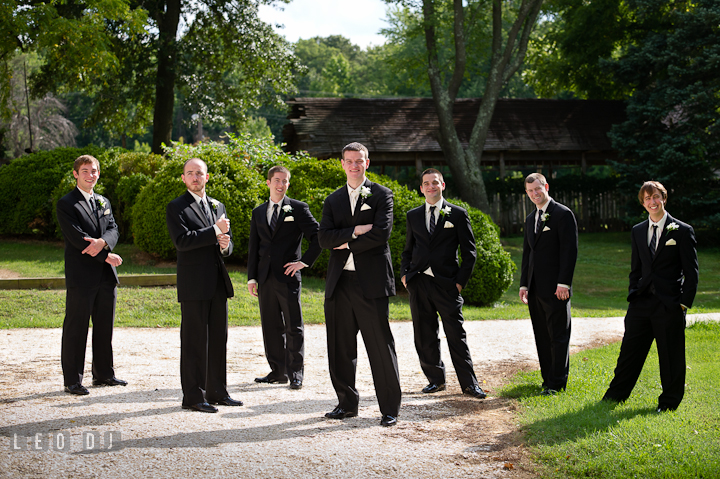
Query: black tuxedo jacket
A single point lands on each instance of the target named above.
(674, 270)
(439, 251)
(77, 221)
(371, 251)
(199, 260)
(549, 256)
(271, 250)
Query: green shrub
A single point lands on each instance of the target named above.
(27, 208)
(232, 181)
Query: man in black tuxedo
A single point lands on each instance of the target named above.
(434, 279)
(548, 264)
(663, 283)
(356, 224)
(200, 230)
(90, 233)
(277, 228)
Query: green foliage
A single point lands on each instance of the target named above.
(672, 133)
(232, 181)
(27, 206)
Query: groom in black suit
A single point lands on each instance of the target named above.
(548, 264)
(200, 230)
(90, 233)
(663, 283)
(434, 279)
(356, 224)
(277, 228)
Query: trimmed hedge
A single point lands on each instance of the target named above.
(26, 207)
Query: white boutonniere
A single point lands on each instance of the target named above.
(214, 204)
(545, 217)
(445, 211)
(100, 201)
(287, 209)
(365, 191)
(672, 227)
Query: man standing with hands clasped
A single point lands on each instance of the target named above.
(277, 228)
(356, 224)
(434, 280)
(663, 283)
(90, 233)
(200, 230)
(548, 264)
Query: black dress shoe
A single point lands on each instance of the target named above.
(433, 388)
(228, 401)
(295, 384)
(340, 413)
(388, 420)
(549, 392)
(475, 391)
(201, 407)
(109, 382)
(78, 389)
(270, 380)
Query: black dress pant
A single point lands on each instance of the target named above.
(346, 313)
(427, 299)
(282, 327)
(203, 348)
(80, 305)
(649, 319)
(550, 319)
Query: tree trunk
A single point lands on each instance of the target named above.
(167, 22)
(465, 164)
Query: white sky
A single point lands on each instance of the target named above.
(358, 20)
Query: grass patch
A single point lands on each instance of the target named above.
(599, 291)
(574, 434)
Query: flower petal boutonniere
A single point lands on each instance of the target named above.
(445, 211)
(100, 202)
(671, 227)
(545, 217)
(365, 192)
(287, 209)
(214, 204)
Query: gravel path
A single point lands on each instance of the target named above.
(279, 432)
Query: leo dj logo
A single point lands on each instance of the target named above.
(62, 441)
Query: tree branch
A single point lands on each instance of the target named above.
(460, 55)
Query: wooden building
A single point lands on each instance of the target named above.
(524, 133)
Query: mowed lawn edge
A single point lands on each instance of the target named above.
(599, 287)
(575, 434)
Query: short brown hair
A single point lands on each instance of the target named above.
(533, 177)
(194, 159)
(647, 189)
(431, 171)
(84, 160)
(355, 146)
(277, 169)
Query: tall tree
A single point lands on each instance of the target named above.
(135, 57)
(672, 133)
(512, 23)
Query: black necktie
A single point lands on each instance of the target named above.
(205, 211)
(653, 241)
(274, 218)
(538, 227)
(431, 225)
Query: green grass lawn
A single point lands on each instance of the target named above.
(600, 287)
(574, 434)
